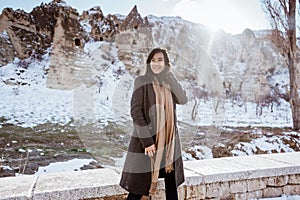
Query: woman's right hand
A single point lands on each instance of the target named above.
(150, 151)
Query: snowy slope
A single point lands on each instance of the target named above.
(26, 101)
(33, 103)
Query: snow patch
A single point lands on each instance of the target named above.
(70, 165)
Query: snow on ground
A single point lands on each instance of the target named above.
(26, 101)
(270, 144)
(112, 92)
(70, 165)
(237, 114)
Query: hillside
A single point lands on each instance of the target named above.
(54, 57)
(77, 70)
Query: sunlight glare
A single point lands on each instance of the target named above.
(222, 15)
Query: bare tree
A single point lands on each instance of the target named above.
(282, 14)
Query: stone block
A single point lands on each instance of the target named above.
(20, 187)
(249, 195)
(238, 186)
(217, 189)
(243, 196)
(160, 184)
(192, 178)
(292, 158)
(159, 195)
(219, 169)
(221, 179)
(270, 192)
(262, 166)
(291, 189)
(228, 197)
(78, 185)
(294, 179)
(278, 181)
(256, 184)
(182, 192)
(198, 191)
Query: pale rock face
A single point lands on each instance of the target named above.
(238, 66)
(59, 26)
(16, 27)
(66, 42)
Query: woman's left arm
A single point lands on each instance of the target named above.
(176, 89)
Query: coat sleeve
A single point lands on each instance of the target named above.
(176, 89)
(138, 114)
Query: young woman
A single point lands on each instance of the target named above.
(154, 150)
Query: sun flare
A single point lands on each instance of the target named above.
(221, 15)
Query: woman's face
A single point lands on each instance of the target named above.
(157, 63)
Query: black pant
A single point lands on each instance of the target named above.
(170, 188)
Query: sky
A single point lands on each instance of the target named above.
(233, 16)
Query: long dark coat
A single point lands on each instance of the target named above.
(136, 175)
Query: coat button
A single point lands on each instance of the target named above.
(150, 128)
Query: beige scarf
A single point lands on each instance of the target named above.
(165, 137)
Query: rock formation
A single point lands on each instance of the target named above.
(133, 21)
(20, 36)
(67, 39)
(60, 27)
(237, 64)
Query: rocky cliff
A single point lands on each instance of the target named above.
(238, 65)
(59, 27)
(26, 33)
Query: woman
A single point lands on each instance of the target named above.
(154, 150)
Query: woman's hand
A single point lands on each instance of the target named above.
(150, 151)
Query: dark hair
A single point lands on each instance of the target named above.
(166, 58)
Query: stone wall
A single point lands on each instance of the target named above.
(232, 178)
(243, 189)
